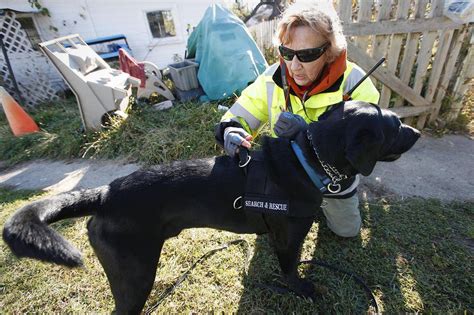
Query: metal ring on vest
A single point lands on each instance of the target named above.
(246, 162)
(334, 188)
(237, 207)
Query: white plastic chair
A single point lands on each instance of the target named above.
(154, 82)
(99, 89)
(144, 70)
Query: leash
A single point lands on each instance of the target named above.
(370, 295)
(358, 279)
(173, 287)
(279, 290)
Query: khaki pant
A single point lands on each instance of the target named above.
(343, 215)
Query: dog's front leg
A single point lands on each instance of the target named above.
(288, 235)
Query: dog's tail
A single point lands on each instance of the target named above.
(27, 232)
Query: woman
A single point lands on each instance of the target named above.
(312, 76)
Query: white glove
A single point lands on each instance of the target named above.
(234, 137)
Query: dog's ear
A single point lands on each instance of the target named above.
(406, 138)
(363, 146)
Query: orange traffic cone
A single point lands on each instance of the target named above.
(20, 122)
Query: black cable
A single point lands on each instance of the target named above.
(279, 290)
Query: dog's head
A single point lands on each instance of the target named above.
(365, 134)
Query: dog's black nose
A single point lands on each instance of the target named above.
(406, 138)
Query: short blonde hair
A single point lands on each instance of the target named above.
(320, 16)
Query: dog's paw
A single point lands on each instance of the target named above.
(304, 288)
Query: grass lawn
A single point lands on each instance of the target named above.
(416, 255)
(147, 136)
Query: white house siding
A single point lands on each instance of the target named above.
(96, 18)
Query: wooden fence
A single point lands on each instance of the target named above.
(429, 58)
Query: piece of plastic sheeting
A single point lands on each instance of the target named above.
(228, 57)
(459, 11)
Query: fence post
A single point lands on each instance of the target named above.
(410, 52)
(463, 82)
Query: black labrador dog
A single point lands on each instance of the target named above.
(133, 216)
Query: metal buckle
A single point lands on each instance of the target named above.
(334, 190)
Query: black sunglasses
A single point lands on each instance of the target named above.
(303, 55)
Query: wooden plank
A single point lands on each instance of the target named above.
(410, 51)
(462, 83)
(420, 8)
(438, 64)
(410, 120)
(395, 27)
(410, 111)
(423, 59)
(364, 15)
(358, 56)
(426, 52)
(381, 41)
(345, 11)
(438, 8)
(437, 68)
(394, 51)
(448, 71)
(263, 33)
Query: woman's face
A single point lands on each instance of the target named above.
(304, 73)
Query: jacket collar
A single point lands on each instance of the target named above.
(330, 80)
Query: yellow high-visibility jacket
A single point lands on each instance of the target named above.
(263, 100)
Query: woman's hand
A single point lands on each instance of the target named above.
(234, 137)
(289, 124)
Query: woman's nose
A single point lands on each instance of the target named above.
(295, 63)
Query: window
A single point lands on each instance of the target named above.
(161, 23)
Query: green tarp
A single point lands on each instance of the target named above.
(228, 57)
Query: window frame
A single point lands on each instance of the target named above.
(165, 40)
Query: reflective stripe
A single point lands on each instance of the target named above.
(354, 76)
(270, 89)
(239, 111)
(270, 71)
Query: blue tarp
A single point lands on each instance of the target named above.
(228, 57)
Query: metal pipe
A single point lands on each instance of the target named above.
(347, 96)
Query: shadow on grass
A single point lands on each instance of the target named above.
(415, 255)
